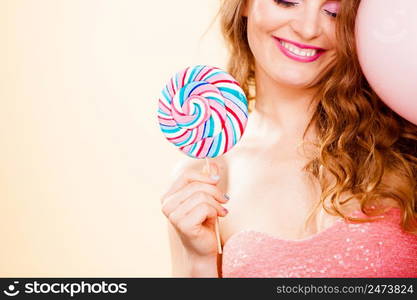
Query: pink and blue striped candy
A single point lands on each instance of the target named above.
(203, 111)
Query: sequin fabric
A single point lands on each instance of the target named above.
(345, 249)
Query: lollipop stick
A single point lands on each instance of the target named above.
(216, 225)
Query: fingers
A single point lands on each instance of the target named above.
(186, 207)
(194, 198)
(199, 214)
(171, 202)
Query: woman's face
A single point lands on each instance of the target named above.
(310, 23)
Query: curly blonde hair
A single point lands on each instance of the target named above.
(368, 150)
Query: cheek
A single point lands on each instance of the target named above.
(329, 31)
(264, 16)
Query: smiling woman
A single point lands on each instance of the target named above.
(300, 25)
(323, 182)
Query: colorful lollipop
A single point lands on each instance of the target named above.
(203, 111)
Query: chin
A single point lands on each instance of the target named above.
(295, 81)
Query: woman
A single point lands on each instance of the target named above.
(323, 182)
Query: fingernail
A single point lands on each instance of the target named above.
(227, 197)
(225, 210)
(215, 177)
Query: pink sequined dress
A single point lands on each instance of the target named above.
(345, 249)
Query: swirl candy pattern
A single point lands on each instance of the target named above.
(203, 111)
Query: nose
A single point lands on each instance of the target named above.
(307, 23)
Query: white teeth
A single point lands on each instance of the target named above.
(300, 52)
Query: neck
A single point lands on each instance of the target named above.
(281, 112)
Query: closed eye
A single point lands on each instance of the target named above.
(291, 4)
(285, 3)
(334, 15)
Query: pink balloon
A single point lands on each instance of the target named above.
(386, 37)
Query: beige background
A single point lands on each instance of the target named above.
(82, 160)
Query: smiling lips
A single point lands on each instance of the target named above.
(299, 52)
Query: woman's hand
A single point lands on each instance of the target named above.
(192, 205)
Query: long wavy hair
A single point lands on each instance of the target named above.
(368, 151)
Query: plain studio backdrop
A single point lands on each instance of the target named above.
(83, 163)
